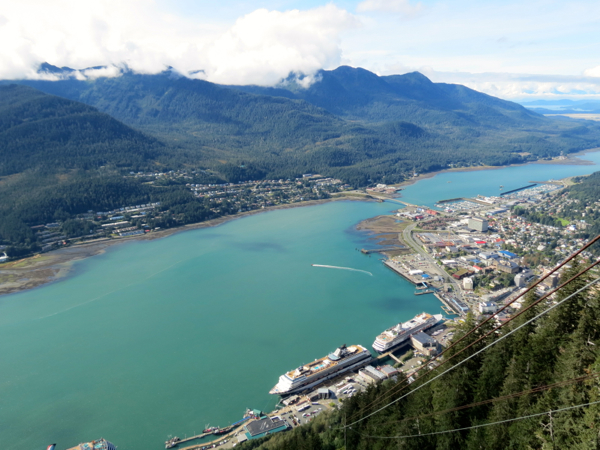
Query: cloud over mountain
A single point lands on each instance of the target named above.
(261, 47)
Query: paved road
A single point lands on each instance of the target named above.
(410, 241)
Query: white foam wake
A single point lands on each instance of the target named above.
(343, 268)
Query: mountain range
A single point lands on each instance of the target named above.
(350, 123)
(68, 146)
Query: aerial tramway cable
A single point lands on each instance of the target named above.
(552, 411)
(504, 397)
(570, 258)
(477, 352)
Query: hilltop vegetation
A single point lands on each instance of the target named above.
(351, 124)
(44, 131)
(66, 145)
(558, 347)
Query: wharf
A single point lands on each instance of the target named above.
(446, 307)
(390, 354)
(226, 430)
(399, 272)
(383, 249)
(556, 183)
(519, 189)
(465, 199)
(426, 291)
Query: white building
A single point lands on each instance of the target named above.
(468, 283)
(487, 307)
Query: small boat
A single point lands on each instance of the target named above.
(219, 431)
(172, 442)
(210, 429)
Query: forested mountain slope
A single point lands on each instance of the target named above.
(44, 131)
(358, 94)
(351, 124)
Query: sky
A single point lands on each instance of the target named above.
(517, 50)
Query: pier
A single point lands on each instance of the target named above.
(391, 355)
(556, 183)
(426, 291)
(519, 189)
(465, 199)
(224, 430)
(383, 249)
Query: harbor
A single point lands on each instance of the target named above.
(246, 264)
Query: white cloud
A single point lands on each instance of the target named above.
(265, 46)
(260, 48)
(403, 7)
(593, 72)
(522, 86)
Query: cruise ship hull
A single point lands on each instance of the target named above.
(385, 343)
(302, 378)
(311, 384)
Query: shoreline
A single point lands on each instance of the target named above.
(572, 160)
(44, 268)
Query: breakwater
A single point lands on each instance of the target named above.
(518, 189)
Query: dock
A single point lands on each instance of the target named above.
(426, 291)
(556, 183)
(383, 249)
(391, 355)
(225, 430)
(399, 272)
(518, 189)
(463, 199)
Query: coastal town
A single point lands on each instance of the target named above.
(476, 255)
(218, 200)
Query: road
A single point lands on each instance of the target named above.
(408, 239)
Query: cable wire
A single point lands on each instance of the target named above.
(505, 397)
(404, 387)
(477, 352)
(552, 411)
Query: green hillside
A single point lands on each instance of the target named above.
(352, 124)
(44, 131)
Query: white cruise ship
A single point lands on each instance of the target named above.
(341, 360)
(398, 334)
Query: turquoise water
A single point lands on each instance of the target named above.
(158, 338)
(488, 182)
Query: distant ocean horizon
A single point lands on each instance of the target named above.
(160, 338)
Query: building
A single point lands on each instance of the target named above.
(478, 224)
(323, 393)
(425, 343)
(371, 374)
(468, 283)
(506, 266)
(459, 275)
(259, 428)
(388, 371)
(487, 307)
(523, 278)
(507, 255)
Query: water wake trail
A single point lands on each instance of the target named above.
(343, 268)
